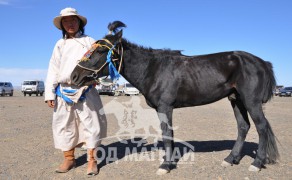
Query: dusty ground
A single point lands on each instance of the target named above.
(27, 150)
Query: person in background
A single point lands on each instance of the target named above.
(76, 118)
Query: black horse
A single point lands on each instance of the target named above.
(171, 80)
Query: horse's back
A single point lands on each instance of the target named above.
(196, 80)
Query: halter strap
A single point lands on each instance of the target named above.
(88, 54)
(114, 73)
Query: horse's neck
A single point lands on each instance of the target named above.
(135, 67)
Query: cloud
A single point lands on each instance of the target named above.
(18, 75)
(4, 2)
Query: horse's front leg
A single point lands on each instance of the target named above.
(165, 117)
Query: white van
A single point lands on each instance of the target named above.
(33, 87)
(129, 90)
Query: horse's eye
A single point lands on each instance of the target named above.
(101, 50)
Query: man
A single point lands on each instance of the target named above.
(75, 119)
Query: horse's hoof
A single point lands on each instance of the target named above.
(162, 171)
(225, 164)
(253, 168)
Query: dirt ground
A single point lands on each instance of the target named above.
(27, 150)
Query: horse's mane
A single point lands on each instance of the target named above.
(167, 51)
(116, 26)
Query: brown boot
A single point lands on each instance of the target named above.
(92, 163)
(69, 162)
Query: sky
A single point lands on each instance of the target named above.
(260, 27)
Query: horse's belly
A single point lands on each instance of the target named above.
(196, 100)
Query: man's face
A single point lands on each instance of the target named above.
(71, 24)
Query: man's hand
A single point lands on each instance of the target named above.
(51, 103)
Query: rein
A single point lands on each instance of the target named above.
(114, 73)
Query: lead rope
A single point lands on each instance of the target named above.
(122, 55)
(80, 43)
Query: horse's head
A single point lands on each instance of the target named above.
(103, 59)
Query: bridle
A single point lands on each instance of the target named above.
(113, 48)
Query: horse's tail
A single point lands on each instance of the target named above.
(271, 146)
(270, 82)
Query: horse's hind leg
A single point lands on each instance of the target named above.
(267, 149)
(243, 126)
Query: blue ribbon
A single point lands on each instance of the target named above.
(70, 91)
(114, 74)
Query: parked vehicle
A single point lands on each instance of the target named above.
(33, 87)
(286, 91)
(277, 90)
(106, 90)
(129, 90)
(106, 87)
(6, 88)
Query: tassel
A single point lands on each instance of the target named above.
(114, 74)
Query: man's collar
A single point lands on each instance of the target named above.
(77, 35)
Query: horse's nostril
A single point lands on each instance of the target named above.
(74, 77)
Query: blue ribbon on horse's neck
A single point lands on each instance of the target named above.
(114, 74)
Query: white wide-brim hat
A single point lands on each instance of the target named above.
(68, 12)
